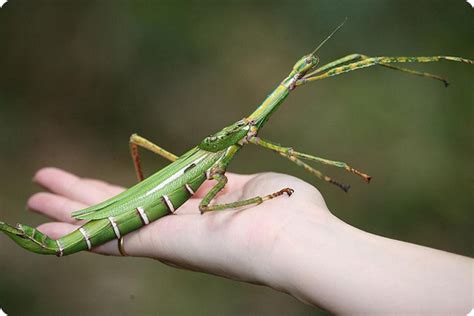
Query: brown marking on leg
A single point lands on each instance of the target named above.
(288, 191)
(366, 177)
(136, 161)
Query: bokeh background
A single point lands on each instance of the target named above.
(78, 77)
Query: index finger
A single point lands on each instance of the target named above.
(85, 191)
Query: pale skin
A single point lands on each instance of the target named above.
(292, 244)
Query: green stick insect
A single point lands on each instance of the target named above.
(166, 190)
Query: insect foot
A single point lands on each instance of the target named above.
(366, 177)
(288, 191)
(344, 187)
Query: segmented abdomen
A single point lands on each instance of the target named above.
(98, 232)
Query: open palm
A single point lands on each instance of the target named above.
(230, 243)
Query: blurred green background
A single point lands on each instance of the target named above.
(78, 77)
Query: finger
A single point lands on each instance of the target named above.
(54, 206)
(57, 230)
(103, 186)
(85, 191)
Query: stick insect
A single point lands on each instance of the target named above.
(165, 191)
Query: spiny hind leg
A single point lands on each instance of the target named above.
(205, 206)
(289, 153)
(135, 141)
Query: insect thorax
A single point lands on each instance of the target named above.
(226, 137)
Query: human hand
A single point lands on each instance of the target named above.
(243, 244)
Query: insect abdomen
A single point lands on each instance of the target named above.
(98, 232)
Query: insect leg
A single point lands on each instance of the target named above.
(205, 206)
(383, 61)
(289, 153)
(337, 62)
(135, 141)
(317, 173)
(354, 57)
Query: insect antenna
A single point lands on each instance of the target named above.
(329, 36)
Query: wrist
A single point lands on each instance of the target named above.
(303, 252)
(333, 265)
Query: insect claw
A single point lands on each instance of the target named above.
(288, 191)
(344, 187)
(365, 176)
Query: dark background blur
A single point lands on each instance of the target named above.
(78, 77)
